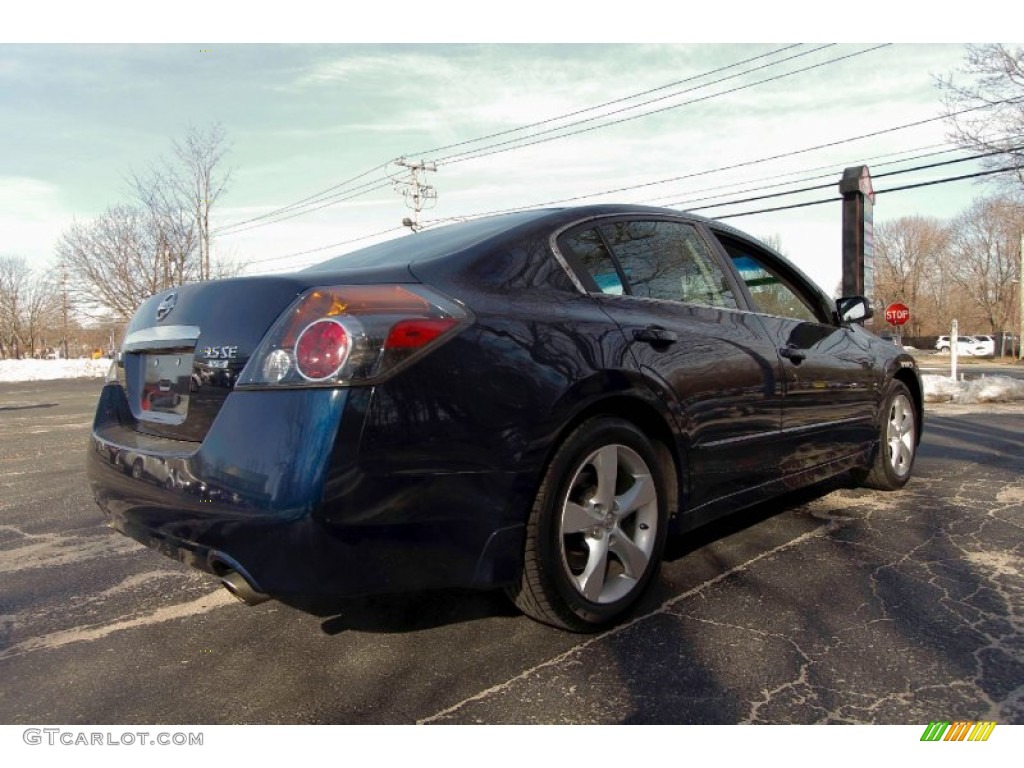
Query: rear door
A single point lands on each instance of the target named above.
(676, 305)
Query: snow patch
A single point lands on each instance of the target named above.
(989, 389)
(1011, 495)
(42, 370)
(999, 563)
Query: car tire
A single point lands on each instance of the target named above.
(893, 462)
(137, 469)
(597, 528)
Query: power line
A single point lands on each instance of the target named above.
(323, 247)
(782, 208)
(830, 168)
(629, 97)
(324, 195)
(502, 146)
(315, 197)
(822, 201)
(366, 189)
(806, 204)
(989, 172)
(832, 184)
(720, 169)
(734, 166)
(321, 199)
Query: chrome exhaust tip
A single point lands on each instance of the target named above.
(236, 584)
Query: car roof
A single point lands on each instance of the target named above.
(442, 241)
(479, 236)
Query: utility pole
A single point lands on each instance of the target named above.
(64, 309)
(1020, 301)
(954, 348)
(418, 195)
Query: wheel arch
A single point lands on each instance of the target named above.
(654, 423)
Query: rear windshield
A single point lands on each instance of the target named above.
(428, 244)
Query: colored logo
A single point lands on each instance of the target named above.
(960, 730)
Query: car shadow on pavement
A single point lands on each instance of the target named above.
(898, 607)
(679, 546)
(413, 612)
(406, 612)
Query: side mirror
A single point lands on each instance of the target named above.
(854, 309)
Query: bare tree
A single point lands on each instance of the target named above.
(115, 262)
(15, 279)
(171, 225)
(986, 257)
(28, 307)
(991, 86)
(41, 311)
(774, 241)
(160, 240)
(200, 180)
(911, 256)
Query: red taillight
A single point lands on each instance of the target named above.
(411, 334)
(322, 349)
(346, 335)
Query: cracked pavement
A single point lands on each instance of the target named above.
(901, 608)
(835, 605)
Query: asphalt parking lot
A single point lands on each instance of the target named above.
(837, 605)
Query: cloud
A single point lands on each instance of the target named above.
(32, 218)
(22, 196)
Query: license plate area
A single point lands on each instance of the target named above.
(165, 387)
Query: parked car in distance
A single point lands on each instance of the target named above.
(532, 402)
(985, 347)
(965, 345)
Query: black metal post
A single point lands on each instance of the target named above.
(858, 232)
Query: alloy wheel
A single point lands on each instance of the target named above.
(900, 435)
(609, 522)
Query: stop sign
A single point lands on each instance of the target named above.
(897, 314)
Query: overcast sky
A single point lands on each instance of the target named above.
(301, 118)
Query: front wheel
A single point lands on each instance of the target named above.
(597, 528)
(894, 459)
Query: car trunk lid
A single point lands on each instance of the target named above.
(185, 347)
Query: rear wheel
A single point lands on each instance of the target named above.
(897, 448)
(597, 528)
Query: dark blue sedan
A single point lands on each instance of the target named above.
(530, 402)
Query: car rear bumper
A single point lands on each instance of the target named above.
(277, 492)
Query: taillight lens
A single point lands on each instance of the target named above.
(321, 350)
(352, 334)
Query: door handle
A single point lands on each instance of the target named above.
(655, 335)
(793, 354)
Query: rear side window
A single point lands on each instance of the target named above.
(589, 249)
(663, 260)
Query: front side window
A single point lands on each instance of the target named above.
(771, 294)
(667, 260)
